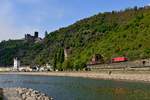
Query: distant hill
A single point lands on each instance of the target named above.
(110, 34)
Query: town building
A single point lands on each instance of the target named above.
(96, 59)
(16, 64)
(49, 67)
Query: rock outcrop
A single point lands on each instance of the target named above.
(24, 94)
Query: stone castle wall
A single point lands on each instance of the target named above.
(129, 64)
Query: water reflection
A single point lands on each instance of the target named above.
(69, 88)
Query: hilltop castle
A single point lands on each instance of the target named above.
(34, 38)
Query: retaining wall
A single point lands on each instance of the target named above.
(129, 64)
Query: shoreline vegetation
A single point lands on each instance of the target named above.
(138, 76)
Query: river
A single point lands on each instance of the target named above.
(71, 88)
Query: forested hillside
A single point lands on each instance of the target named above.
(25, 51)
(111, 34)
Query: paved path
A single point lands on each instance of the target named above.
(10, 94)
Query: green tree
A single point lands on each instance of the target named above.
(55, 62)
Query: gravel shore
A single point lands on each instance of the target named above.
(23, 94)
(140, 77)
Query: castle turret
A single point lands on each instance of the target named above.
(36, 34)
(16, 63)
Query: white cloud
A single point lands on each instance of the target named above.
(8, 19)
(16, 21)
(7, 28)
(148, 4)
(29, 1)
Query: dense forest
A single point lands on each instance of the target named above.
(110, 34)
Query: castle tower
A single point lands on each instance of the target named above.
(36, 34)
(16, 63)
(67, 52)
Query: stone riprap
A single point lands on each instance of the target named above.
(23, 94)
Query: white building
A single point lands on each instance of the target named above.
(49, 67)
(16, 63)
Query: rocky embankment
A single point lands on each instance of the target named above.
(23, 94)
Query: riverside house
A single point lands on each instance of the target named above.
(96, 59)
(16, 64)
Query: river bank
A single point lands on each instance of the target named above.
(123, 76)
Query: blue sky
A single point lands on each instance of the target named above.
(18, 17)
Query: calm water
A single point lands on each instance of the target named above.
(69, 88)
